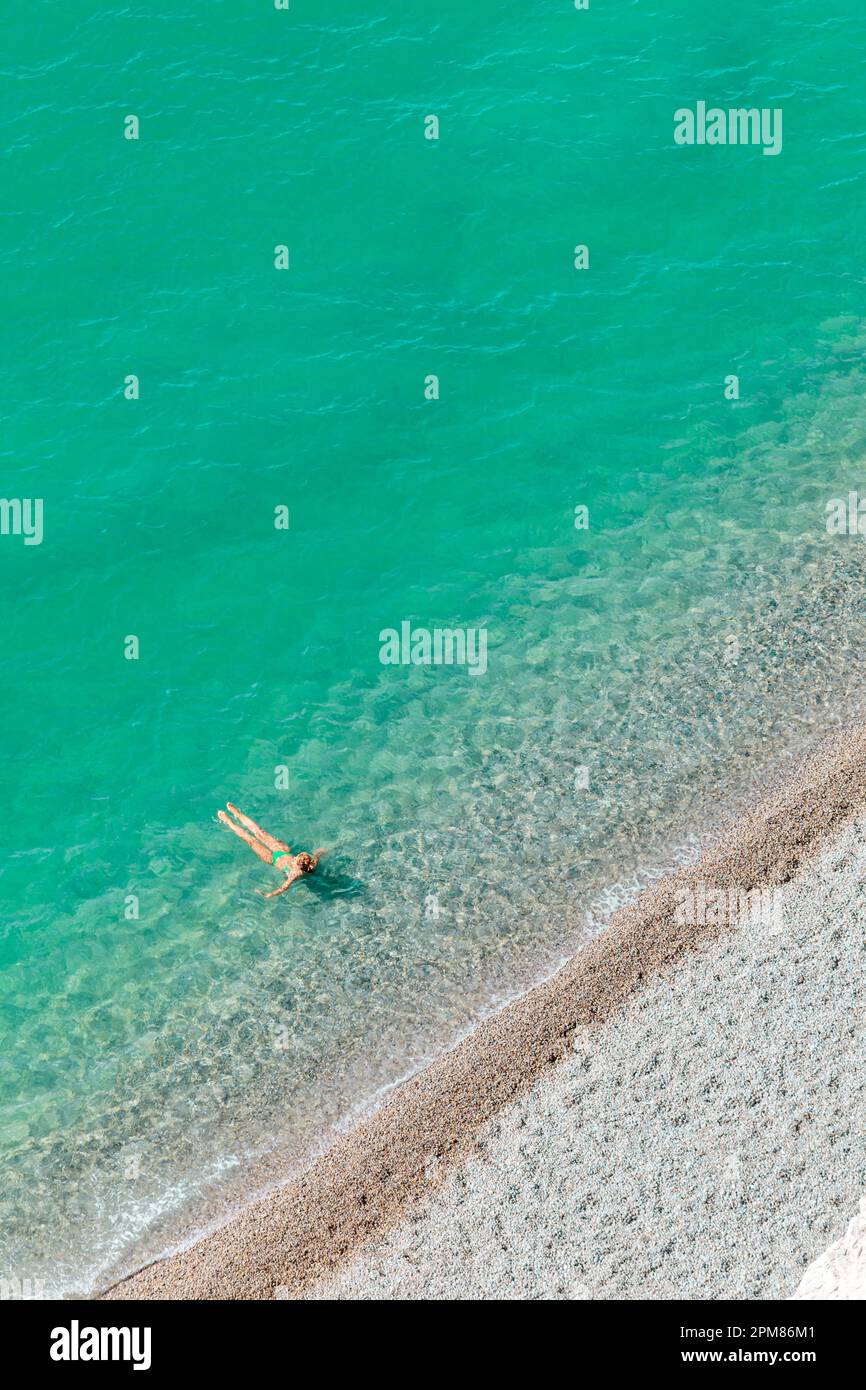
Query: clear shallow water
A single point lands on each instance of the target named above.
(141, 1061)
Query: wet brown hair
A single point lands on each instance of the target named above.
(306, 863)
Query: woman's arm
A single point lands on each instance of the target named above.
(283, 886)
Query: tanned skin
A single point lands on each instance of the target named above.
(294, 866)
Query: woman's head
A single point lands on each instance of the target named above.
(305, 862)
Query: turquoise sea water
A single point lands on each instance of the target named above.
(701, 629)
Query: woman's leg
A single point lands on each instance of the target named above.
(266, 839)
(255, 845)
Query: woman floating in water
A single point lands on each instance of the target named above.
(272, 851)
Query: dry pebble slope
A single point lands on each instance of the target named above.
(705, 1145)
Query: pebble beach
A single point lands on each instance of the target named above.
(677, 1113)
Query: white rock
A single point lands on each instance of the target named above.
(841, 1271)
